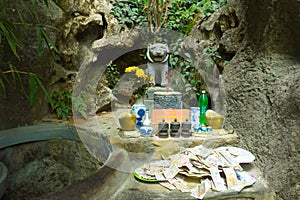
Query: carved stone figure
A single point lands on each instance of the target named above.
(157, 67)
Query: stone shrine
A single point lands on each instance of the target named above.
(157, 67)
(158, 98)
(167, 100)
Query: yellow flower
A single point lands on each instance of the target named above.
(131, 69)
(140, 73)
(151, 78)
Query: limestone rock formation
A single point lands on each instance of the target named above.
(104, 97)
(84, 22)
(36, 169)
(72, 31)
(262, 82)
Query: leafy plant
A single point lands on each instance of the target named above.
(129, 12)
(80, 105)
(81, 102)
(62, 104)
(179, 15)
(112, 74)
(141, 81)
(213, 53)
(11, 31)
(191, 78)
(34, 83)
(216, 56)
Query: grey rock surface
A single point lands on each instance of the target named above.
(137, 190)
(38, 168)
(261, 83)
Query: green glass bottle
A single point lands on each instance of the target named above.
(203, 104)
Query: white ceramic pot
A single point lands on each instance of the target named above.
(139, 110)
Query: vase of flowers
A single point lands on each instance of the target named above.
(140, 82)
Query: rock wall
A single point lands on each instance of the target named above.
(77, 27)
(262, 83)
(15, 108)
(39, 168)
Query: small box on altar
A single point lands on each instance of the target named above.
(169, 115)
(167, 100)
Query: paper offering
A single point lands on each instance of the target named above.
(231, 178)
(167, 185)
(244, 180)
(181, 186)
(160, 177)
(229, 158)
(216, 169)
(218, 181)
(171, 172)
(202, 151)
(200, 191)
(240, 155)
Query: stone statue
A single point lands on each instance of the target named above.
(157, 67)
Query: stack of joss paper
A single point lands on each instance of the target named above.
(216, 169)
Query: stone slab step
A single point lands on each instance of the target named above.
(166, 146)
(135, 190)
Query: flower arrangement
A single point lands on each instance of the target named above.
(141, 81)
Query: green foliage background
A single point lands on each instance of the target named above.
(19, 20)
(181, 16)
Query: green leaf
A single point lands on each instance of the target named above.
(10, 33)
(7, 80)
(34, 10)
(20, 81)
(46, 3)
(48, 97)
(40, 42)
(58, 5)
(59, 112)
(64, 116)
(83, 114)
(49, 42)
(21, 17)
(13, 69)
(2, 86)
(3, 27)
(188, 55)
(32, 89)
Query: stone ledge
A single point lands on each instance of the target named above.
(157, 147)
(135, 190)
(153, 147)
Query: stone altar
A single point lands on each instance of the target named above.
(158, 98)
(150, 148)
